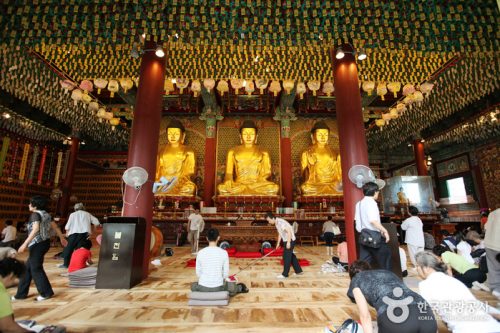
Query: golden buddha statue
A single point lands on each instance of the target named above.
(402, 199)
(176, 164)
(248, 167)
(320, 165)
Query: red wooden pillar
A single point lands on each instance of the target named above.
(210, 162)
(286, 163)
(353, 148)
(418, 149)
(143, 147)
(68, 180)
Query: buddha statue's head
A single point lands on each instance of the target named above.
(248, 133)
(320, 133)
(175, 132)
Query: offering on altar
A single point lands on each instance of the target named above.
(320, 165)
(176, 164)
(248, 167)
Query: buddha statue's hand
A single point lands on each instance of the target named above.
(311, 159)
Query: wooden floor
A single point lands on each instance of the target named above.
(159, 304)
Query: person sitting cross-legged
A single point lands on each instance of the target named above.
(212, 269)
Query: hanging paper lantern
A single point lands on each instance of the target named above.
(209, 84)
(196, 87)
(101, 114)
(382, 90)
(328, 88)
(386, 117)
(237, 84)
(380, 122)
(114, 122)
(368, 87)
(408, 100)
(222, 87)
(301, 89)
(93, 106)
(168, 86)
(288, 86)
(76, 96)
(100, 84)
(418, 96)
(67, 85)
(136, 81)
(250, 87)
(401, 107)
(108, 115)
(261, 84)
(113, 87)
(394, 87)
(275, 87)
(426, 87)
(394, 113)
(408, 89)
(87, 86)
(126, 84)
(313, 86)
(181, 84)
(86, 98)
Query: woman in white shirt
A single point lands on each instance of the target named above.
(464, 249)
(414, 233)
(452, 300)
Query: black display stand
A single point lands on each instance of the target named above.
(394, 246)
(122, 253)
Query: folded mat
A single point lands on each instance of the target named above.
(209, 296)
(208, 303)
(85, 277)
(248, 255)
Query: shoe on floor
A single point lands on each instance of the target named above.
(62, 266)
(480, 286)
(40, 298)
(298, 274)
(243, 288)
(281, 277)
(13, 299)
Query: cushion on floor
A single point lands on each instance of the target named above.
(277, 253)
(191, 263)
(197, 302)
(248, 255)
(209, 296)
(231, 251)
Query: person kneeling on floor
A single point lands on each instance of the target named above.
(212, 269)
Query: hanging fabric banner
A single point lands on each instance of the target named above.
(3, 153)
(49, 174)
(58, 167)
(66, 161)
(24, 161)
(42, 166)
(33, 164)
(13, 163)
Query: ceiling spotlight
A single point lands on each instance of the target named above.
(422, 140)
(340, 54)
(361, 54)
(176, 36)
(159, 52)
(6, 115)
(409, 145)
(244, 83)
(174, 81)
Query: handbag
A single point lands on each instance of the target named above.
(368, 237)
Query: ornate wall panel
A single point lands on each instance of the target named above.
(488, 159)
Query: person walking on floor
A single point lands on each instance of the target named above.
(196, 224)
(78, 228)
(414, 237)
(285, 233)
(367, 216)
(37, 243)
(330, 230)
(492, 245)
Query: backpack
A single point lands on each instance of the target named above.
(45, 220)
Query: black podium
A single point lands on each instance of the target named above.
(394, 246)
(122, 253)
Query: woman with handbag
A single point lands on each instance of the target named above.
(373, 236)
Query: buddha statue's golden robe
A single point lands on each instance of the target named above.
(321, 167)
(247, 169)
(176, 162)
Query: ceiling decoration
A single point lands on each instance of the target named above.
(442, 26)
(472, 78)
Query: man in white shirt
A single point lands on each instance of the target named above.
(196, 224)
(285, 233)
(8, 235)
(212, 269)
(367, 216)
(78, 228)
(492, 245)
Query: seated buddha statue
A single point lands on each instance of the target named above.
(248, 167)
(402, 199)
(320, 165)
(176, 164)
